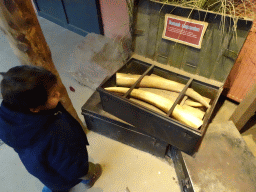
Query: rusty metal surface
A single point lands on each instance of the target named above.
(222, 163)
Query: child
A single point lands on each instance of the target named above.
(49, 141)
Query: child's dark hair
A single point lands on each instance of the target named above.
(24, 87)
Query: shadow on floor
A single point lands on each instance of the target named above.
(226, 112)
(250, 128)
(224, 109)
(218, 106)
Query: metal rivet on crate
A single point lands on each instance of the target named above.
(187, 136)
(89, 118)
(157, 144)
(105, 98)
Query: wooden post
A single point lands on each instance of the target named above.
(20, 24)
(245, 110)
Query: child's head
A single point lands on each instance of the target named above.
(30, 88)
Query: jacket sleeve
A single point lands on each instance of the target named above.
(67, 154)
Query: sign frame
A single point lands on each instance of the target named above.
(183, 29)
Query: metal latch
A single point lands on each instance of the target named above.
(59, 112)
(138, 32)
(186, 184)
(230, 54)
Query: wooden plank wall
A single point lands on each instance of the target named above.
(243, 75)
(212, 61)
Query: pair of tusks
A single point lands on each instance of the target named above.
(162, 103)
(127, 80)
(171, 95)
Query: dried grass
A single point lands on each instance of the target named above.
(233, 8)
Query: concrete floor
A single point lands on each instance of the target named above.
(223, 111)
(125, 168)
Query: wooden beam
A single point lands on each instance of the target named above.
(245, 110)
(20, 25)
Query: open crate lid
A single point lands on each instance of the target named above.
(211, 63)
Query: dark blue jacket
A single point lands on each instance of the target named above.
(50, 144)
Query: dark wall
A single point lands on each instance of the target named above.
(79, 16)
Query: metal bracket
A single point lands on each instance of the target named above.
(186, 184)
(138, 32)
(230, 54)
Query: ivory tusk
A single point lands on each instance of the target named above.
(127, 80)
(147, 105)
(193, 104)
(163, 104)
(195, 111)
(171, 95)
